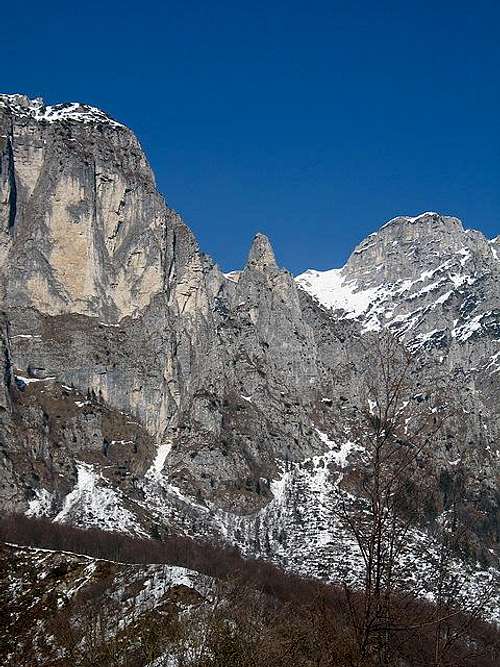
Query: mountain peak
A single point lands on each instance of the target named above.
(36, 108)
(426, 218)
(20, 100)
(261, 253)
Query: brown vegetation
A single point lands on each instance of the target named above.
(257, 615)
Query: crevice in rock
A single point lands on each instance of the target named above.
(12, 187)
(8, 367)
(171, 268)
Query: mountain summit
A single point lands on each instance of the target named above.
(261, 253)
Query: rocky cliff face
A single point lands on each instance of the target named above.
(147, 392)
(434, 285)
(84, 229)
(107, 292)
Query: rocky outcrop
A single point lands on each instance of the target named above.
(251, 374)
(85, 230)
(433, 285)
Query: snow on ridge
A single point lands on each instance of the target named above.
(83, 113)
(409, 218)
(332, 290)
(360, 292)
(416, 218)
(378, 307)
(74, 111)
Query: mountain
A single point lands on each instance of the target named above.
(146, 392)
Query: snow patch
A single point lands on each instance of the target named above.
(233, 276)
(465, 331)
(409, 218)
(332, 291)
(33, 380)
(68, 111)
(40, 505)
(25, 336)
(93, 503)
(159, 462)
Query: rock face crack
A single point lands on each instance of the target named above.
(12, 186)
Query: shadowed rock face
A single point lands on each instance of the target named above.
(179, 394)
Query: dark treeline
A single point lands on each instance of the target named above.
(268, 618)
(208, 558)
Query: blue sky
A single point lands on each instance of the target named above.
(313, 122)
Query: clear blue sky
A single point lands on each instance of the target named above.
(313, 122)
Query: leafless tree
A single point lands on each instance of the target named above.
(396, 425)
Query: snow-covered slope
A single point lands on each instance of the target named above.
(424, 277)
(68, 111)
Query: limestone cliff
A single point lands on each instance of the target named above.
(107, 291)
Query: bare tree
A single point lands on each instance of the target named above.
(395, 426)
(398, 424)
